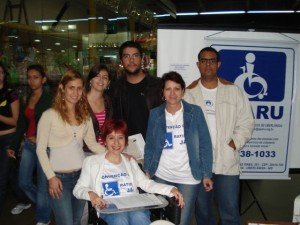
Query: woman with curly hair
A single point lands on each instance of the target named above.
(62, 129)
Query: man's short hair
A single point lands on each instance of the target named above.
(130, 44)
(209, 49)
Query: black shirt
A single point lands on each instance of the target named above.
(138, 111)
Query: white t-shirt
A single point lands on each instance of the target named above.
(115, 180)
(174, 161)
(209, 96)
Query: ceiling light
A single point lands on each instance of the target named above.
(63, 50)
(37, 40)
(270, 11)
(187, 14)
(162, 15)
(74, 46)
(48, 49)
(222, 12)
(57, 43)
(45, 21)
(77, 20)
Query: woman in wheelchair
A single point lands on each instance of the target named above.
(111, 175)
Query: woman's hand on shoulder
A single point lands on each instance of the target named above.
(207, 184)
(55, 187)
(97, 201)
(178, 196)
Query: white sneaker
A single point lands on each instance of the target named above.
(39, 223)
(19, 208)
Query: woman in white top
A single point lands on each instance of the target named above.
(110, 175)
(62, 129)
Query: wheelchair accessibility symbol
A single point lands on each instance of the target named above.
(252, 78)
(169, 141)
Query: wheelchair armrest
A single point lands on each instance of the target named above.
(172, 211)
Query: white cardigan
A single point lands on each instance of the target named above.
(91, 176)
(53, 132)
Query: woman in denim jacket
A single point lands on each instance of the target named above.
(178, 147)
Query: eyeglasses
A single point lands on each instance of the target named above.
(210, 61)
(133, 56)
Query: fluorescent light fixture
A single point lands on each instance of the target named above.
(37, 40)
(100, 18)
(122, 18)
(187, 14)
(13, 36)
(269, 11)
(48, 49)
(162, 15)
(110, 56)
(63, 30)
(72, 27)
(118, 18)
(78, 20)
(45, 21)
(57, 43)
(74, 46)
(222, 12)
(92, 18)
(63, 51)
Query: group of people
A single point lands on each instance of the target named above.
(75, 141)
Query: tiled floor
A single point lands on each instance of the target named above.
(276, 198)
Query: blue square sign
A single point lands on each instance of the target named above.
(261, 74)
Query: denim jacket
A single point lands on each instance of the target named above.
(197, 140)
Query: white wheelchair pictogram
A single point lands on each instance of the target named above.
(252, 77)
(109, 191)
(167, 144)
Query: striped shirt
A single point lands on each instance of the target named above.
(100, 118)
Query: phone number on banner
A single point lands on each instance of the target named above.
(260, 154)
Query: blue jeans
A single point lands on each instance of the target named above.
(9, 173)
(67, 209)
(141, 217)
(226, 192)
(189, 193)
(38, 194)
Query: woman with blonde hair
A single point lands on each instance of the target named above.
(62, 129)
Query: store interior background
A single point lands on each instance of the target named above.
(81, 33)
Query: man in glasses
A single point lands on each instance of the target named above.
(230, 121)
(136, 92)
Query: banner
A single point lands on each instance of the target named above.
(266, 74)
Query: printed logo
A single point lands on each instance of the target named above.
(169, 141)
(261, 74)
(111, 188)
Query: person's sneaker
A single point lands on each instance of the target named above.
(19, 208)
(39, 223)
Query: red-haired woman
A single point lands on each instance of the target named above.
(112, 175)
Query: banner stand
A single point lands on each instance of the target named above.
(254, 201)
